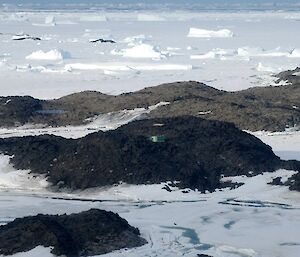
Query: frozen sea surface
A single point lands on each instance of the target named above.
(230, 51)
(254, 220)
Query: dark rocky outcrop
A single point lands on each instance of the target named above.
(270, 108)
(294, 182)
(289, 76)
(88, 233)
(101, 40)
(18, 110)
(195, 152)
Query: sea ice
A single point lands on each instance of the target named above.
(50, 20)
(93, 18)
(136, 40)
(149, 17)
(219, 53)
(295, 53)
(124, 66)
(258, 52)
(262, 68)
(52, 55)
(140, 51)
(204, 33)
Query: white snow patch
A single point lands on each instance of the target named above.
(102, 122)
(204, 112)
(11, 178)
(204, 33)
(52, 55)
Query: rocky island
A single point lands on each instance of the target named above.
(88, 233)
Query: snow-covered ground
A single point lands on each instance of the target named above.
(101, 122)
(151, 48)
(284, 144)
(256, 219)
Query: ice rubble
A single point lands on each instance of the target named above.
(204, 33)
(136, 40)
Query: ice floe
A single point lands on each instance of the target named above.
(204, 33)
(141, 51)
(216, 53)
(149, 17)
(52, 55)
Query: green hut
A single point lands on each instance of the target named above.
(158, 139)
